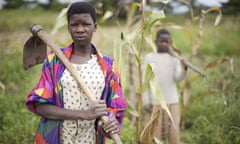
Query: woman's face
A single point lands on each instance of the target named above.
(163, 42)
(81, 28)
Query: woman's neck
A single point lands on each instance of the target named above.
(83, 51)
(81, 54)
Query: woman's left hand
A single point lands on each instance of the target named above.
(111, 125)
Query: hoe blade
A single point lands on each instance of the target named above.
(34, 52)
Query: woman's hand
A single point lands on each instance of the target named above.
(111, 125)
(97, 108)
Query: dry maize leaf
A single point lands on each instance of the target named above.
(218, 19)
(185, 2)
(216, 63)
(219, 16)
(147, 134)
(178, 27)
(108, 14)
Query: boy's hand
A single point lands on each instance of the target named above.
(184, 63)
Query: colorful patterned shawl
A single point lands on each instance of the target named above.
(49, 90)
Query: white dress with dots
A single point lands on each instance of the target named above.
(81, 131)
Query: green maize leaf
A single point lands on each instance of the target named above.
(61, 21)
(133, 10)
(148, 76)
(155, 88)
(154, 17)
(151, 43)
(131, 109)
(122, 36)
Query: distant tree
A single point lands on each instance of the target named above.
(48, 5)
(14, 4)
(118, 7)
(232, 7)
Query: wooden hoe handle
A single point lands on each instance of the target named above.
(187, 63)
(37, 30)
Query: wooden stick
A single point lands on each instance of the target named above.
(187, 63)
(38, 31)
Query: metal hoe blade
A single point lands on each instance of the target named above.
(34, 52)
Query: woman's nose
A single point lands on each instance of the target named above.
(80, 28)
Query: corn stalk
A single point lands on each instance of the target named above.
(139, 31)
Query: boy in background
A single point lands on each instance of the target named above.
(169, 71)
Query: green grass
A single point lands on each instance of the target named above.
(207, 120)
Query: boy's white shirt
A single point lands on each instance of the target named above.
(169, 71)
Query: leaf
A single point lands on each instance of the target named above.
(151, 43)
(58, 25)
(178, 27)
(61, 20)
(122, 36)
(131, 109)
(137, 29)
(108, 14)
(155, 88)
(131, 13)
(153, 18)
(147, 77)
(185, 2)
(218, 19)
(155, 15)
(147, 134)
(219, 16)
(218, 62)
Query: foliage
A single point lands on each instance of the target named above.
(23, 4)
(213, 118)
(17, 123)
(232, 7)
(18, 20)
(13, 4)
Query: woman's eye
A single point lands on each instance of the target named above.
(86, 24)
(73, 24)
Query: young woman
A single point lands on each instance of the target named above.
(67, 116)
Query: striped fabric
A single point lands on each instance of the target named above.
(49, 90)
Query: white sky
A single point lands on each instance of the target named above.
(211, 3)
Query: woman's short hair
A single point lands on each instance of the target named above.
(81, 8)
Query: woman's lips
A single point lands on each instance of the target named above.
(80, 37)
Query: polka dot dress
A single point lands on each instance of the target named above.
(81, 131)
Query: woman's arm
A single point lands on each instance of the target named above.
(97, 109)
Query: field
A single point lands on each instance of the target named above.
(211, 115)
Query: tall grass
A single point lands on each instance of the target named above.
(213, 117)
